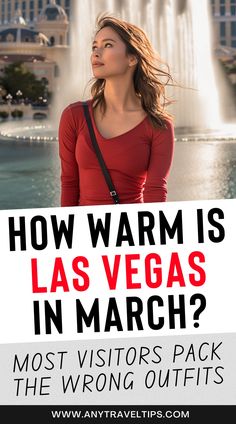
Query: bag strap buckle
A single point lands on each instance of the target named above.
(113, 193)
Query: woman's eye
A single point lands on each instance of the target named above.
(105, 45)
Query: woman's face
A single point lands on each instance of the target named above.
(109, 58)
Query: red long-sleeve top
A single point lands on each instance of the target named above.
(139, 161)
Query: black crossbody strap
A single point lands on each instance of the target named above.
(105, 171)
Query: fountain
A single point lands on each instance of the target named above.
(173, 28)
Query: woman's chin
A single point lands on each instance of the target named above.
(98, 71)
(99, 75)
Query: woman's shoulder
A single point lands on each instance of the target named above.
(166, 126)
(77, 106)
(162, 134)
(73, 113)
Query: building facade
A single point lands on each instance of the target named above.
(30, 9)
(224, 22)
(42, 45)
(223, 14)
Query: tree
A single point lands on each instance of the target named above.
(16, 77)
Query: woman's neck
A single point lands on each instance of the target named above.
(120, 97)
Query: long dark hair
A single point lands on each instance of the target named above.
(151, 75)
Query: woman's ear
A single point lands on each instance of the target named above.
(133, 61)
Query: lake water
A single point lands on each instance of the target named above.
(30, 172)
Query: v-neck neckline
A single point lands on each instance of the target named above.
(117, 136)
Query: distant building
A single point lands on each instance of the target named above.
(224, 22)
(30, 9)
(42, 46)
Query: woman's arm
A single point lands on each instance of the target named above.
(161, 157)
(67, 136)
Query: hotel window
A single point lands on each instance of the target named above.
(233, 29)
(222, 7)
(56, 71)
(40, 4)
(233, 34)
(23, 5)
(233, 7)
(222, 29)
(16, 5)
(67, 7)
(31, 13)
(213, 7)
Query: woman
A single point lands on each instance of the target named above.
(134, 132)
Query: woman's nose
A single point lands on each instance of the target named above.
(97, 52)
